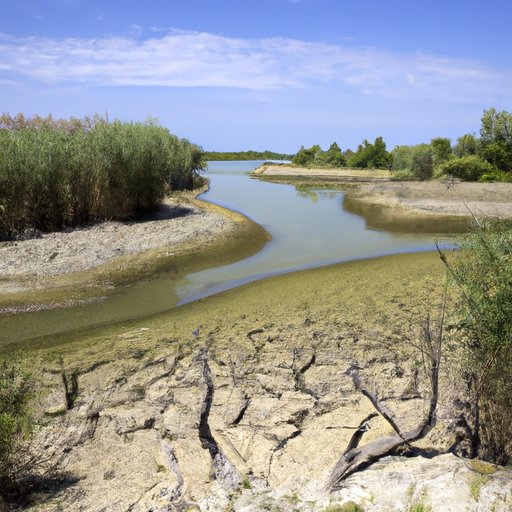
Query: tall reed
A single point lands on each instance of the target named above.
(60, 173)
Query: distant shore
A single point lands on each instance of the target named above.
(426, 198)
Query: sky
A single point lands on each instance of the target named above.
(262, 74)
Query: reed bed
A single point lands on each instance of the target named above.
(62, 173)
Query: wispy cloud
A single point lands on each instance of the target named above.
(192, 59)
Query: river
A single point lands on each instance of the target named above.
(309, 228)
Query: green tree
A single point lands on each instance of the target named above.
(401, 158)
(467, 145)
(334, 156)
(441, 150)
(381, 158)
(496, 139)
(306, 157)
(371, 156)
(360, 157)
(422, 164)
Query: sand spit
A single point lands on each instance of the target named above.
(427, 198)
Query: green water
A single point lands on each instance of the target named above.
(309, 229)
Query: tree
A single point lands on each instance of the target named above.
(334, 156)
(441, 150)
(381, 158)
(401, 158)
(422, 163)
(306, 157)
(467, 145)
(496, 139)
(360, 158)
(371, 156)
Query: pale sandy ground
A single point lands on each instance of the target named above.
(426, 198)
(177, 222)
(288, 170)
(459, 199)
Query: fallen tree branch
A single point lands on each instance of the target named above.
(355, 458)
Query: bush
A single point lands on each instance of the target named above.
(496, 175)
(483, 272)
(467, 168)
(17, 391)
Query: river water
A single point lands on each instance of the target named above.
(309, 228)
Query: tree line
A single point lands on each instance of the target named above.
(247, 155)
(484, 158)
(57, 173)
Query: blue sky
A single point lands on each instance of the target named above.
(262, 74)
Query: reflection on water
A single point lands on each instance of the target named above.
(388, 218)
(309, 229)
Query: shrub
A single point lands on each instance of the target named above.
(496, 175)
(467, 168)
(17, 390)
(483, 272)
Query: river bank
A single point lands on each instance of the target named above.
(428, 199)
(268, 362)
(64, 268)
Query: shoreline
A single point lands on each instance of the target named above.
(428, 199)
(84, 265)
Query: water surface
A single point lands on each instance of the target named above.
(308, 228)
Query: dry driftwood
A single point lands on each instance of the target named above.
(355, 458)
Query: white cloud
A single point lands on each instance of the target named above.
(191, 59)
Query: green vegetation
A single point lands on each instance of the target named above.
(246, 483)
(247, 155)
(496, 139)
(367, 156)
(371, 156)
(467, 168)
(316, 157)
(59, 173)
(488, 158)
(17, 391)
(350, 506)
(420, 507)
(483, 272)
(476, 483)
(422, 162)
(481, 467)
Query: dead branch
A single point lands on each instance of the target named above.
(355, 458)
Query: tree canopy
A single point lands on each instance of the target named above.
(371, 156)
(316, 157)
